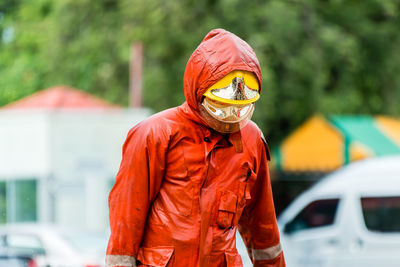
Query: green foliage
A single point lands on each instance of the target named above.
(331, 56)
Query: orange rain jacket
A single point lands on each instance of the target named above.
(183, 189)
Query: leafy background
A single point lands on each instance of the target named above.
(317, 56)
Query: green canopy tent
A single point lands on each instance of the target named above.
(325, 144)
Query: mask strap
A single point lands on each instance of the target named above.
(236, 139)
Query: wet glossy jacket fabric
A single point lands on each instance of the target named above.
(183, 189)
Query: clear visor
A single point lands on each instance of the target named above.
(234, 92)
(237, 90)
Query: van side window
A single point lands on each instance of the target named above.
(381, 214)
(25, 243)
(316, 214)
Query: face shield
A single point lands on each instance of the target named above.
(228, 105)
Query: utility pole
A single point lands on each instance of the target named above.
(136, 74)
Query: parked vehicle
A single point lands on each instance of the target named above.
(54, 247)
(350, 218)
(12, 258)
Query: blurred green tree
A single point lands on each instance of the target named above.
(330, 56)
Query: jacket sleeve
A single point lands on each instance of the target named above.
(257, 225)
(137, 184)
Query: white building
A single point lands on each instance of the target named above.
(60, 150)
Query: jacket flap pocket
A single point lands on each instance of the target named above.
(157, 256)
(228, 201)
(251, 179)
(233, 259)
(251, 176)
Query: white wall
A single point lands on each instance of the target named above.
(24, 146)
(86, 153)
(75, 154)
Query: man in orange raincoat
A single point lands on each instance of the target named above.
(192, 175)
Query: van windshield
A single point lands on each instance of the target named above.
(381, 214)
(318, 213)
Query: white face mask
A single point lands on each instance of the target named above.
(228, 113)
(225, 118)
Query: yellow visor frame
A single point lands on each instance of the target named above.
(237, 88)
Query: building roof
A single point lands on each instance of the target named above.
(365, 130)
(325, 144)
(62, 97)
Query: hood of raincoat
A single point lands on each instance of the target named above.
(219, 53)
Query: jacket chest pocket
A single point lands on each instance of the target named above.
(231, 204)
(245, 188)
(226, 209)
(176, 192)
(175, 165)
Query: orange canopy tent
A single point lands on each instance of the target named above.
(325, 144)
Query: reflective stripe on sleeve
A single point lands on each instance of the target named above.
(267, 253)
(120, 260)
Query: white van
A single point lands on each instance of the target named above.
(350, 218)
